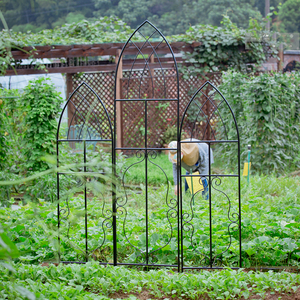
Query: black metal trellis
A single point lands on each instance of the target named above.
(94, 127)
(209, 106)
(208, 115)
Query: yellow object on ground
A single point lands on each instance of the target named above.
(195, 183)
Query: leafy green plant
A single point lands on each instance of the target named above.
(10, 118)
(169, 135)
(12, 139)
(91, 281)
(104, 30)
(268, 114)
(41, 105)
(225, 47)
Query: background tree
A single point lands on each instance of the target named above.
(170, 16)
(35, 15)
(289, 15)
(239, 11)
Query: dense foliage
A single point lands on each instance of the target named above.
(267, 108)
(226, 47)
(172, 17)
(221, 47)
(270, 233)
(28, 134)
(41, 104)
(2, 135)
(12, 134)
(106, 29)
(289, 16)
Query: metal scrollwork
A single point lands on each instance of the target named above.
(172, 203)
(188, 227)
(232, 217)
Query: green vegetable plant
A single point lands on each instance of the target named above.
(268, 114)
(41, 105)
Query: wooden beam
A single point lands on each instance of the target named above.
(65, 51)
(78, 69)
(165, 62)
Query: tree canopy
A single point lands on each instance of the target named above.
(171, 16)
(289, 16)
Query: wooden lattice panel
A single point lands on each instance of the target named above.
(161, 114)
(133, 121)
(103, 85)
(143, 84)
(89, 120)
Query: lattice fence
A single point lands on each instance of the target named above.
(103, 84)
(160, 115)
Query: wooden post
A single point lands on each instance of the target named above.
(71, 108)
(152, 91)
(280, 58)
(119, 75)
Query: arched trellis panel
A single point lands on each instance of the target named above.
(149, 92)
(84, 172)
(210, 240)
(146, 81)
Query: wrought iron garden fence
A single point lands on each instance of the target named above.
(179, 231)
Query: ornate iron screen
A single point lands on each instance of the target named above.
(120, 235)
(83, 168)
(147, 92)
(209, 114)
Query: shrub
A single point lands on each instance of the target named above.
(41, 104)
(267, 109)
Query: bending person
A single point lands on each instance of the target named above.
(194, 157)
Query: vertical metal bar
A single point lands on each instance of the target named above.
(114, 195)
(58, 207)
(85, 205)
(180, 229)
(240, 210)
(179, 183)
(210, 213)
(117, 95)
(146, 175)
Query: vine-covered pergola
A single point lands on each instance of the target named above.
(96, 64)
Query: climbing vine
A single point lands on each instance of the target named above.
(219, 48)
(226, 47)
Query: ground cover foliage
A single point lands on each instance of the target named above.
(92, 281)
(270, 233)
(270, 228)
